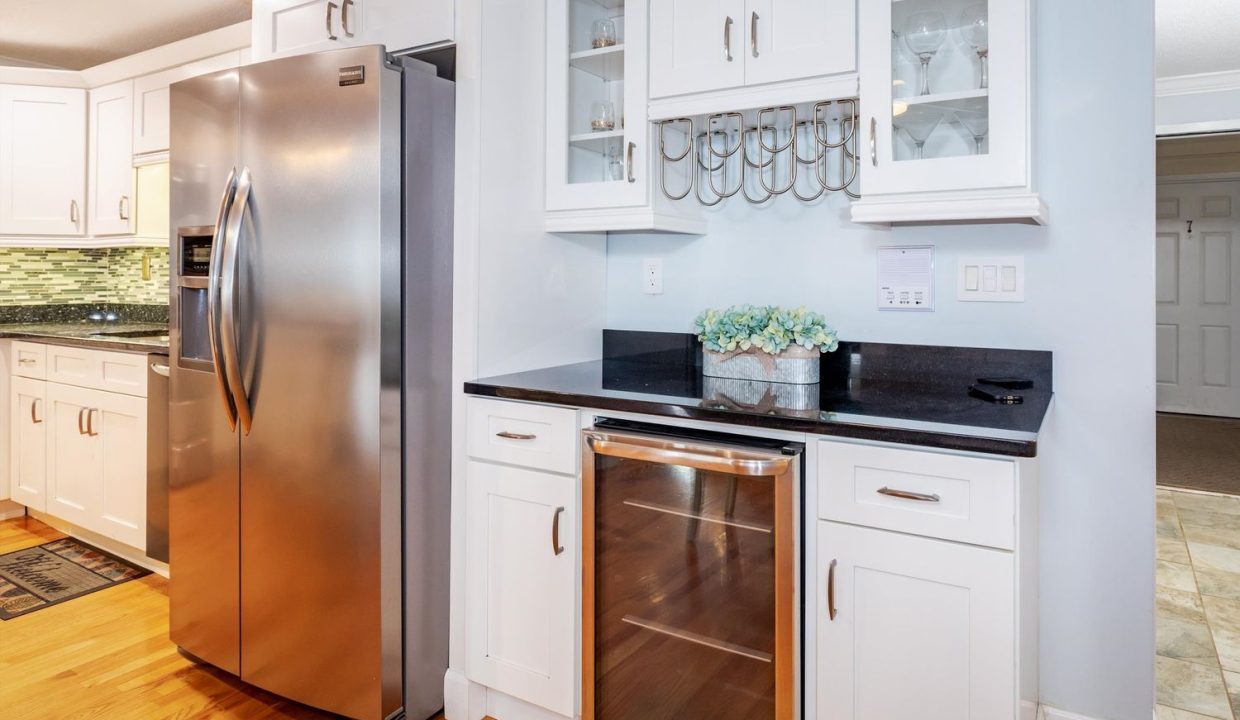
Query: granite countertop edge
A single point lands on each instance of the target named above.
(979, 440)
(72, 336)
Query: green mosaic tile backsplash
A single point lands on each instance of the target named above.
(54, 276)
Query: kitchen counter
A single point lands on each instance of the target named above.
(87, 334)
(892, 393)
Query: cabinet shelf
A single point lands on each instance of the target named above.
(595, 141)
(963, 100)
(606, 63)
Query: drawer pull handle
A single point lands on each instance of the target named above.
(909, 495)
(27, 361)
(831, 589)
(515, 436)
(556, 547)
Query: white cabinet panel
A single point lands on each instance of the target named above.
(111, 159)
(74, 467)
(922, 629)
(42, 160)
(525, 434)
(696, 46)
(29, 360)
(520, 588)
(28, 446)
(150, 99)
(119, 426)
(794, 39)
(291, 27)
(402, 24)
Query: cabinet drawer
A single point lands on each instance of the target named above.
(29, 360)
(535, 436)
(919, 492)
(99, 369)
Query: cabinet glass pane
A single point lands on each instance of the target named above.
(940, 95)
(596, 91)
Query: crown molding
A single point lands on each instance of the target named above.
(1199, 83)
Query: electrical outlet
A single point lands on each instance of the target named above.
(652, 276)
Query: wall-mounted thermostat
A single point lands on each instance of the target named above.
(906, 277)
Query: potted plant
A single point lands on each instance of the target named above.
(768, 343)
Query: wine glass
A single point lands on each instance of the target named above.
(975, 29)
(923, 34)
(918, 122)
(615, 164)
(977, 123)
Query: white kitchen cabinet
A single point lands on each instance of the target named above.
(150, 99)
(111, 159)
(721, 55)
(922, 628)
(291, 27)
(600, 174)
(28, 442)
(946, 112)
(43, 158)
(521, 571)
(74, 467)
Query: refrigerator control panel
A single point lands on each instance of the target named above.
(195, 255)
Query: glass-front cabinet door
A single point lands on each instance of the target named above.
(596, 104)
(945, 95)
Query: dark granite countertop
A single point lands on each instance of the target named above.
(90, 334)
(865, 394)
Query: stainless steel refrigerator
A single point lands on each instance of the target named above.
(309, 428)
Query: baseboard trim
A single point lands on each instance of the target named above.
(120, 550)
(1050, 713)
(9, 513)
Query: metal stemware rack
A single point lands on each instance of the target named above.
(771, 152)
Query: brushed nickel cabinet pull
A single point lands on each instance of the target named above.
(330, 35)
(831, 589)
(73, 212)
(629, 162)
(874, 141)
(26, 361)
(122, 207)
(556, 547)
(81, 427)
(753, 33)
(515, 436)
(344, 17)
(727, 39)
(909, 495)
(34, 417)
(90, 422)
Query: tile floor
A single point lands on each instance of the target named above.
(1198, 606)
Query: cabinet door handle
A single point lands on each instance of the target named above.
(909, 495)
(34, 406)
(727, 39)
(629, 162)
(556, 547)
(873, 141)
(515, 436)
(831, 589)
(90, 422)
(753, 33)
(122, 207)
(26, 361)
(81, 427)
(344, 17)
(330, 35)
(73, 212)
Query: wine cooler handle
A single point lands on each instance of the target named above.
(556, 547)
(831, 589)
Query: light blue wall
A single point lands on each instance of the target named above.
(1089, 299)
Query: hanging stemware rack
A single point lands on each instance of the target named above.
(769, 153)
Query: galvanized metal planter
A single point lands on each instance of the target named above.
(795, 365)
(759, 396)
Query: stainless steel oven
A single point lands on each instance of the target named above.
(692, 575)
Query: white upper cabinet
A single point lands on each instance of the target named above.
(720, 55)
(291, 27)
(111, 159)
(43, 160)
(150, 99)
(599, 139)
(945, 97)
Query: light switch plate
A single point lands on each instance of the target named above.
(906, 277)
(990, 279)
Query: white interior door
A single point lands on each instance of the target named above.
(28, 415)
(1198, 297)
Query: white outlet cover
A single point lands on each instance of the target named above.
(990, 279)
(906, 277)
(652, 276)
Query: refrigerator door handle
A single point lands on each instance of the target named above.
(213, 297)
(228, 300)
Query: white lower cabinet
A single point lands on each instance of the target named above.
(922, 628)
(521, 583)
(79, 453)
(28, 442)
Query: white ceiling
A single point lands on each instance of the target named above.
(1195, 36)
(77, 34)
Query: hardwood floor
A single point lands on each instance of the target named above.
(107, 656)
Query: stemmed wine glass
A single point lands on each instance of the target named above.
(923, 34)
(975, 29)
(977, 123)
(918, 123)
